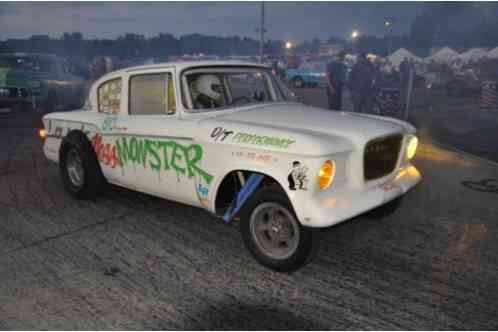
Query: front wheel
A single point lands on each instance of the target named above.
(272, 233)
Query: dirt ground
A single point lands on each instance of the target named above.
(132, 261)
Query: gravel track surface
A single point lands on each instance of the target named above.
(132, 261)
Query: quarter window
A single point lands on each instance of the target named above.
(152, 94)
(109, 96)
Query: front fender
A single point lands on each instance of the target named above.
(278, 171)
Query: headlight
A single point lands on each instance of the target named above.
(326, 174)
(4, 92)
(42, 133)
(411, 147)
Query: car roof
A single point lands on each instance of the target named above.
(182, 65)
(24, 54)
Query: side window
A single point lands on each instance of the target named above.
(109, 96)
(152, 94)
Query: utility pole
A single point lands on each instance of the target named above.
(262, 32)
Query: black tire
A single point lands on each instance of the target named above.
(308, 242)
(93, 182)
(51, 103)
(297, 82)
(385, 210)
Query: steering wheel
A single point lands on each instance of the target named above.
(239, 99)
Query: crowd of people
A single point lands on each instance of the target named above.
(363, 81)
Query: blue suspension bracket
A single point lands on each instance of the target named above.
(247, 190)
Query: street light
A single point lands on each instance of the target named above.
(288, 45)
(354, 35)
(387, 24)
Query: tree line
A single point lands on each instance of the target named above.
(461, 24)
(133, 45)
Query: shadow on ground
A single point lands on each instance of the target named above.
(241, 316)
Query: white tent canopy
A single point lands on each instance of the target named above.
(444, 55)
(493, 53)
(474, 54)
(397, 57)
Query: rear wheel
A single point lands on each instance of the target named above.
(272, 233)
(79, 168)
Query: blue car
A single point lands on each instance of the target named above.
(311, 73)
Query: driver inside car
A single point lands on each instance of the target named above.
(209, 89)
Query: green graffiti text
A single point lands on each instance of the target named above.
(277, 142)
(162, 155)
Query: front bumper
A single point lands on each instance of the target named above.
(11, 103)
(343, 203)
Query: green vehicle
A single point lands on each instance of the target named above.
(15, 93)
(49, 83)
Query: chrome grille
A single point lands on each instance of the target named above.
(14, 93)
(380, 156)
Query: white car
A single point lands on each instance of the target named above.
(229, 137)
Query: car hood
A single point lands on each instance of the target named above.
(309, 126)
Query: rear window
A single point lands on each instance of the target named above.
(109, 96)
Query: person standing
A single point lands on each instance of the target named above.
(336, 75)
(362, 84)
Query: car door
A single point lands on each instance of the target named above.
(155, 146)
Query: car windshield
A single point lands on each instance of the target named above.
(217, 88)
(27, 63)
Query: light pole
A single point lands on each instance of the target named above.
(388, 24)
(262, 32)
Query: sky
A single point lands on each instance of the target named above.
(294, 21)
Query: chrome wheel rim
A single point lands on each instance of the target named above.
(274, 230)
(74, 167)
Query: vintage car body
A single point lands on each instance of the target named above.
(188, 156)
(52, 85)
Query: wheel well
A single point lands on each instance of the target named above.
(230, 186)
(74, 134)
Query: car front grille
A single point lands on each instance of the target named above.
(381, 156)
(13, 93)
